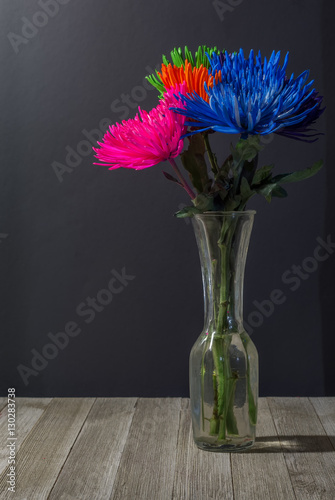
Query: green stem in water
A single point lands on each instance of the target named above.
(225, 381)
(218, 377)
(251, 400)
(203, 372)
(214, 422)
(225, 245)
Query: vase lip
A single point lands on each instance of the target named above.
(224, 213)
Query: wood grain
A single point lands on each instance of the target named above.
(148, 461)
(261, 472)
(325, 409)
(90, 470)
(129, 449)
(307, 449)
(43, 453)
(28, 411)
(199, 474)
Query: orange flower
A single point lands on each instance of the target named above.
(193, 77)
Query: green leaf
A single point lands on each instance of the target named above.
(279, 192)
(266, 190)
(194, 162)
(187, 212)
(226, 167)
(222, 192)
(232, 203)
(203, 202)
(245, 157)
(171, 178)
(270, 190)
(246, 149)
(261, 174)
(245, 190)
(299, 175)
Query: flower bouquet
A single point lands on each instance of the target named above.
(201, 94)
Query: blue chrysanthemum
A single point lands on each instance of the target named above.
(254, 97)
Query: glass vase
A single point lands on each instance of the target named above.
(223, 360)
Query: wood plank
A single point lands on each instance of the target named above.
(199, 474)
(148, 462)
(41, 456)
(28, 412)
(3, 403)
(298, 425)
(325, 409)
(261, 472)
(90, 470)
(77, 446)
(308, 452)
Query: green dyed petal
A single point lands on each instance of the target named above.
(178, 58)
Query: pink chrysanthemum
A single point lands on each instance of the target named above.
(147, 139)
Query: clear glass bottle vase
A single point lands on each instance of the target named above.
(223, 360)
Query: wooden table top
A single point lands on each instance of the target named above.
(142, 449)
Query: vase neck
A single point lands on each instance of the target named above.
(223, 240)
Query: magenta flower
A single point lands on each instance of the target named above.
(147, 139)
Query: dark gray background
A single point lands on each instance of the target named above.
(60, 240)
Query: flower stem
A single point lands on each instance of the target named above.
(223, 378)
(182, 179)
(211, 156)
(251, 400)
